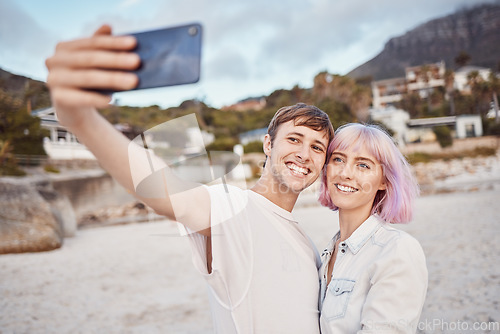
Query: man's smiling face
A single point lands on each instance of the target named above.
(296, 157)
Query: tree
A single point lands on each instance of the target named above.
(338, 112)
(462, 59)
(345, 90)
(254, 147)
(443, 136)
(222, 144)
(425, 74)
(481, 91)
(449, 80)
(413, 104)
(494, 82)
(283, 97)
(464, 104)
(20, 129)
(8, 163)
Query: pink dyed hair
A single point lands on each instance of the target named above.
(395, 203)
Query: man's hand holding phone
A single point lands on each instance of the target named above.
(80, 71)
(80, 67)
(83, 73)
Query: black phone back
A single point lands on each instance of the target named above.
(169, 56)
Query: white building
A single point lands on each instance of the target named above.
(385, 92)
(253, 135)
(461, 82)
(61, 145)
(395, 119)
(422, 79)
(468, 126)
(408, 130)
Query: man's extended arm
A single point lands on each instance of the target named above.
(76, 70)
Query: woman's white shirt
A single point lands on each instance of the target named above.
(378, 284)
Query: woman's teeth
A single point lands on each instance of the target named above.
(346, 188)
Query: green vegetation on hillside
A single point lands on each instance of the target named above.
(17, 127)
(20, 133)
(342, 98)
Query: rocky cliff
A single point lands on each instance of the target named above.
(474, 30)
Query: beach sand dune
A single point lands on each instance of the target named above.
(139, 278)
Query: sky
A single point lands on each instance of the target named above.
(250, 47)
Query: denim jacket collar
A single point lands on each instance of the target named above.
(364, 232)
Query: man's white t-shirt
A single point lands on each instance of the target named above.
(264, 275)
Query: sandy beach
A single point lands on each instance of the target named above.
(138, 278)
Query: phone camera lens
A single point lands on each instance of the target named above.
(192, 31)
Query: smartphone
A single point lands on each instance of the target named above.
(169, 56)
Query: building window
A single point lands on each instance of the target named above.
(470, 130)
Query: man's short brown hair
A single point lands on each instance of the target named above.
(302, 115)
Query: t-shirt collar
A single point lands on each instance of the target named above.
(272, 206)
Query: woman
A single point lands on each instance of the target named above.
(373, 277)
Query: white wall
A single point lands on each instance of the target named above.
(469, 121)
(396, 119)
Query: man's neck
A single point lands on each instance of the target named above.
(284, 199)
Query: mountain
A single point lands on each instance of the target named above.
(24, 89)
(475, 30)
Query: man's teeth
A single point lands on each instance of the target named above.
(346, 188)
(298, 169)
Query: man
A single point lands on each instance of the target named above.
(259, 264)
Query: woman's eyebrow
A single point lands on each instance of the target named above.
(365, 159)
(360, 158)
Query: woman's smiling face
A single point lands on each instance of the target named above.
(354, 177)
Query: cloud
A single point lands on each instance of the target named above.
(263, 44)
(23, 39)
(280, 44)
(128, 3)
(227, 65)
(20, 32)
